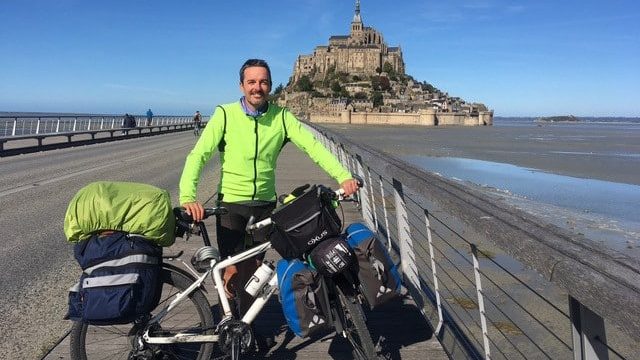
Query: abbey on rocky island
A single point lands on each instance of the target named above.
(361, 53)
(358, 78)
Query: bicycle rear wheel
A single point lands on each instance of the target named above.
(355, 328)
(116, 342)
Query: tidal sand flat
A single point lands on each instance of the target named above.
(582, 176)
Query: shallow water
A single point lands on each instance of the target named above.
(585, 195)
(606, 210)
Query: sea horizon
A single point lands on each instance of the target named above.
(496, 117)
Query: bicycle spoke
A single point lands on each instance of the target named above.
(116, 342)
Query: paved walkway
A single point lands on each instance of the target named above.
(399, 326)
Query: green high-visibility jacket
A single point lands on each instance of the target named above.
(251, 148)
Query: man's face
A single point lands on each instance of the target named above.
(256, 86)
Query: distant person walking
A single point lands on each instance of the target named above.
(197, 120)
(128, 122)
(149, 117)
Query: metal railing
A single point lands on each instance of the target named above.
(493, 281)
(27, 134)
(33, 125)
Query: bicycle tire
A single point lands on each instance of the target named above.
(115, 342)
(355, 328)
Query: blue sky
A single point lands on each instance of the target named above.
(520, 58)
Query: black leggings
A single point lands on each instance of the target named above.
(231, 236)
(230, 228)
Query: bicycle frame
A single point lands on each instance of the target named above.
(174, 322)
(216, 269)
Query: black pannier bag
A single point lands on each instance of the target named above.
(304, 222)
(378, 276)
(120, 280)
(332, 256)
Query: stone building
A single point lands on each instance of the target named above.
(362, 52)
(359, 79)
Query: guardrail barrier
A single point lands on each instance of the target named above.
(493, 281)
(39, 133)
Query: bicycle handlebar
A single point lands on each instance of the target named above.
(337, 195)
(186, 225)
(181, 213)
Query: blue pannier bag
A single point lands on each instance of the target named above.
(378, 275)
(303, 297)
(120, 279)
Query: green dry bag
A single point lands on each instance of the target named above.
(133, 208)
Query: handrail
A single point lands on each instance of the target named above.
(47, 124)
(466, 257)
(84, 137)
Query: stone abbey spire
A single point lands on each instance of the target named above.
(356, 16)
(363, 52)
(356, 23)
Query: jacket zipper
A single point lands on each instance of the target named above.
(255, 161)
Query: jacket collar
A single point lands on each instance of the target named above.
(258, 112)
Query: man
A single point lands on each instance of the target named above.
(149, 117)
(197, 119)
(128, 122)
(249, 134)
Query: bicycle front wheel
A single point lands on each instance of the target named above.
(117, 341)
(355, 328)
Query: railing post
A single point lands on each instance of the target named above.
(75, 122)
(342, 156)
(483, 319)
(364, 198)
(101, 122)
(113, 122)
(386, 214)
(89, 124)
(372, 199)
(407, 256)
(38, 126)
(436, 287)
(15, 124)
(58, 125)
(589, 334)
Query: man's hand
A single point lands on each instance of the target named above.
(349, 186)
(195, 209)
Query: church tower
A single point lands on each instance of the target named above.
(356, 23)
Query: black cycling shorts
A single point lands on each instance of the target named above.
(230, 228)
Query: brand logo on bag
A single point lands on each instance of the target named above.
(317, 238)
(316, 320)
(383, 290)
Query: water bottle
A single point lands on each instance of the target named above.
(259, 279)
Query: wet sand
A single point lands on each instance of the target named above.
(610, 153)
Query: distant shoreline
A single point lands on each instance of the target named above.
(563, 118)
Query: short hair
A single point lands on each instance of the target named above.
(254, 62)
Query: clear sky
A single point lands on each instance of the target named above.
(520, 58)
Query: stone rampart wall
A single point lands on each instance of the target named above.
(426, 118)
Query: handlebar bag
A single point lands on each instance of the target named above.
(378, 276)
(120, 280)
(303, 297)
(304, 222)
